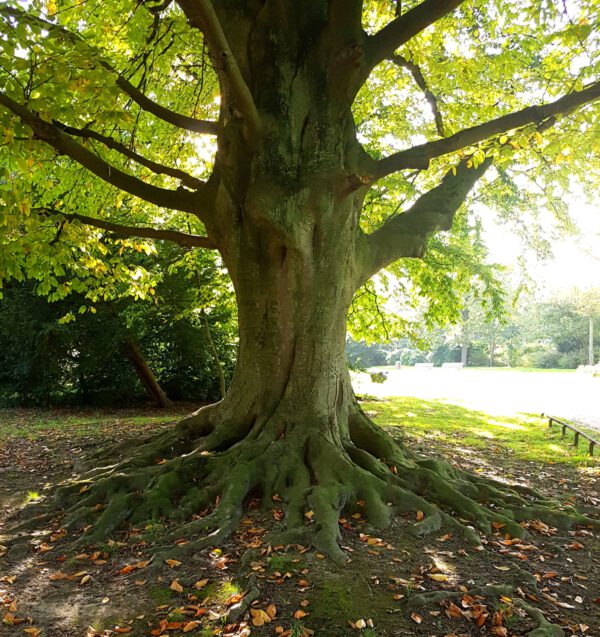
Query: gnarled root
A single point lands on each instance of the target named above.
(315, 464)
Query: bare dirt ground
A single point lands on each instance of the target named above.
(247, 587)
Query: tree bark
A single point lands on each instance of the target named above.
(145, 373)
(590, 340)
(215, 353)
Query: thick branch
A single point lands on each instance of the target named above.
(383, 44)
(113, 144)
(180, 199)
(201, 14)
(181, 238)
(419, 156)
(419, 78)
(406, 234)
(167, 115)
(144, 102)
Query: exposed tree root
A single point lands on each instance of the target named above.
(544, 627)
(200, 475)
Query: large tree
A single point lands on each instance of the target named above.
(328, 168)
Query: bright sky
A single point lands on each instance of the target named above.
(576, 258)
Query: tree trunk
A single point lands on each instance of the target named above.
(145, 374)
(493, 345)
(464, 348)
(215, 353)
(591, 341)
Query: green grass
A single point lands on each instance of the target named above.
(31, 424)
(526, 435)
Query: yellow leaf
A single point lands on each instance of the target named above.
(439, 577)
(271, 611)
(173, 563)
(299, 614)
(416, 618)
(176, 586)
(190, 626)
(200, 584)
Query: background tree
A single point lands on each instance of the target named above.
(317, 109)
(72, 351)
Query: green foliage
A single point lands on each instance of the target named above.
(72, 351)
(549, 334)
(484, 60)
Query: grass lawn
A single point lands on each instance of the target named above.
(527, 436)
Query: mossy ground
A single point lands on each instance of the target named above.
(389, 569)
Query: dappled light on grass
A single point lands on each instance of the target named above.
(556, 449)
(484, 433)
(525, 435)
(507, 425)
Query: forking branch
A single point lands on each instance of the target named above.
(201, 14)
(180, 199)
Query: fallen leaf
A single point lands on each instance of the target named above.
(190, 626)
(271, 611)
(416, 618)
(124, 629)
(419, 516)
(259, 617)
(173, 563)
(360, 623)
(438, 577)
(299, 614)
(575, 546)
(201, 583)
(176, 586)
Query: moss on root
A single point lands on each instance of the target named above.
(320, 465)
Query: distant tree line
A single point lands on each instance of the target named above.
(562, 332)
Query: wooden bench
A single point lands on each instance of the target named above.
(452, 365)
(578, 433)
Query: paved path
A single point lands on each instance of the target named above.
(569, 395)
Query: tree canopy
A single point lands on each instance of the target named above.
(128, 101)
